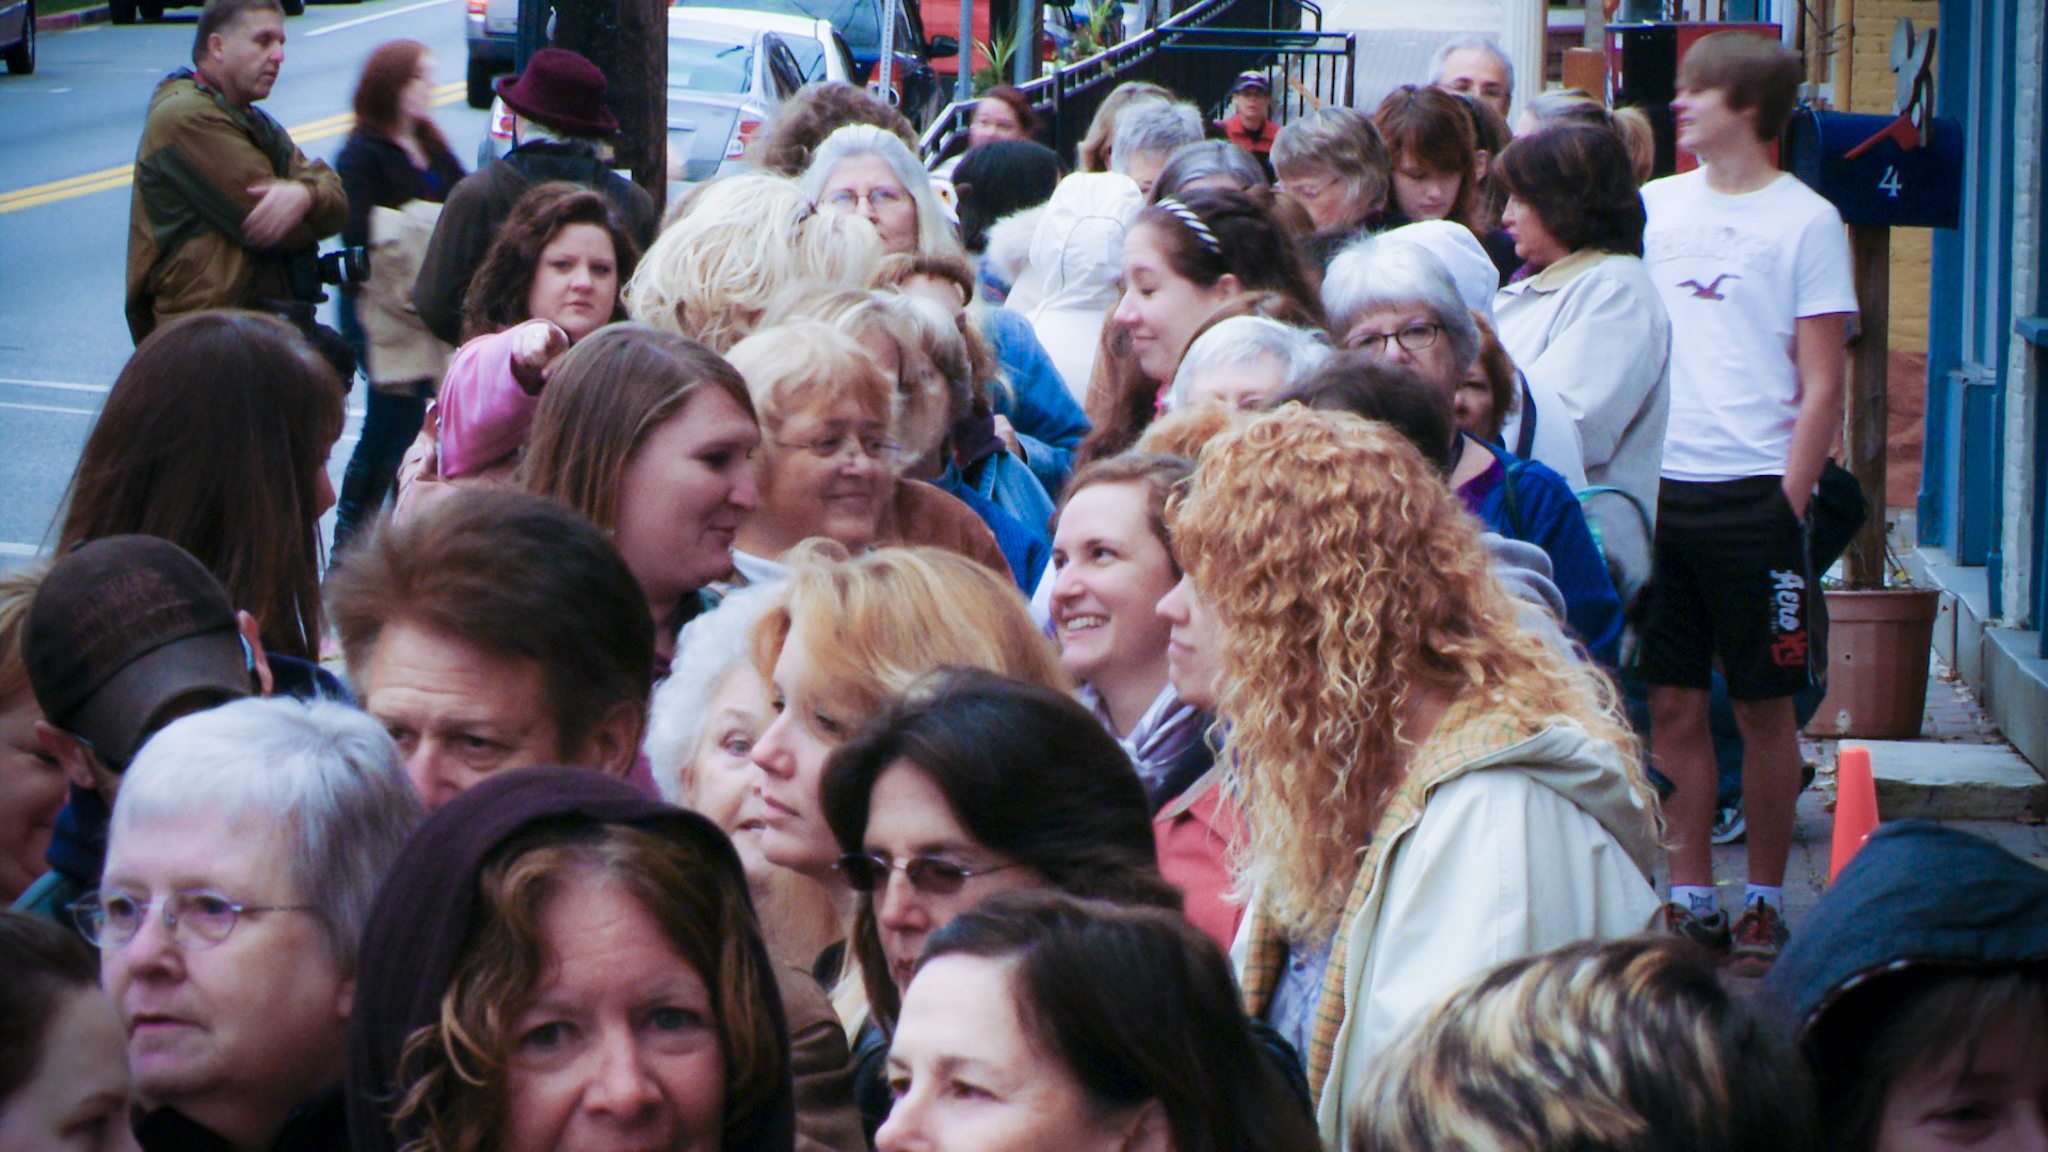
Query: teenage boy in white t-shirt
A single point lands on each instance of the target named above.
(1754, 270)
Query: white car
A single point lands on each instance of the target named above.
(820, 50)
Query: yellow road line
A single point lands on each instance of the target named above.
(108, 179)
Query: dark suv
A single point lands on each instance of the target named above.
(919, 91)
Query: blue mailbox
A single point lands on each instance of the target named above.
(1859, 164)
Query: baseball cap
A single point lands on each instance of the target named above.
(122, 627)
(1247, 81)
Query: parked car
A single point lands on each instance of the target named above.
(916, 88)
(128, 11)
(493, 34)
(820, 51)
(18, 35)
(728, 71)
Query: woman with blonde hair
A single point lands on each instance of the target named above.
(712, 273)
(1426, 789)
(830, 459)
(844, 636)
(849, 633)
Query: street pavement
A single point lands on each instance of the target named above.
(67, 134)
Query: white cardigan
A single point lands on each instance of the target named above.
(1592, 330)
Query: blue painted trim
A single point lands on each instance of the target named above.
(2032, 329)
(1940, 486)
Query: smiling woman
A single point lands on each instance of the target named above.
(650, 436)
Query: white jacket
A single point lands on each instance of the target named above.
(1532, 845)
(1077, 254)
(1591, 329)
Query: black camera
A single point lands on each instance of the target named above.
(310, 269)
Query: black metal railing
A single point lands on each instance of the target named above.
(1196, 53)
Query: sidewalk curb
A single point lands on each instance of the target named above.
(63, 20)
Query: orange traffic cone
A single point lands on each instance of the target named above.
(1855, 807)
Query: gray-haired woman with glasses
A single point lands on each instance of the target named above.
(973, 785)
(247, 844)
(868, 171)
(828, 462)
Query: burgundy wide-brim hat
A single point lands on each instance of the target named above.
(562, 90)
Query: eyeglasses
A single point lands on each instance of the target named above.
(197, 918)
(1412, 339)
(833, 446)
(867, 871)
(1304, 190)
(880, 199)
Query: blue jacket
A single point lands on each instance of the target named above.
(1026, 552)
(1049, 424)
(1544, 512)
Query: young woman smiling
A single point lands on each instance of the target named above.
(1184, 257)
(1112, 566)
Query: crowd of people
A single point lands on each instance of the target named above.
(1212, 650)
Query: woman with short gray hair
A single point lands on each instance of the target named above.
(1245, 360)
(246, 848)
(1379, 275)
(1148, 133)
(1333, 163)
(1217, 164)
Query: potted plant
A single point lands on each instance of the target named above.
(1880, 626)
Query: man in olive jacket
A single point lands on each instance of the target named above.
(222, 195)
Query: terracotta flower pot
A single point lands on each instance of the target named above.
(1879, 643)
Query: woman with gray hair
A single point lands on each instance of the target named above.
(1148, 133)
(1245, 360)
(246, 848)
(1215, 164)
(1333, 163)
(867, 170)
(700, 736)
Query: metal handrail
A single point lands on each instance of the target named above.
(1050, 92)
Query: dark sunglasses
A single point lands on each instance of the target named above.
(866, 872)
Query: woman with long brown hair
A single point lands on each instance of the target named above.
(1433, 138)
(215, 437)
(1427, 790)
(395, 155)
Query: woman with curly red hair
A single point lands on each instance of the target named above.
(1426, 789)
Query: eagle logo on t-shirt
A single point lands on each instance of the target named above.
(1709, 291)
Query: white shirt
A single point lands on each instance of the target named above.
(1737, 274)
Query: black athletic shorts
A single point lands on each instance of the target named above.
(1732, 583)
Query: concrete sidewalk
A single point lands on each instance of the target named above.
(2001, 802)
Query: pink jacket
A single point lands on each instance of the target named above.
(485, 414)
(1193, 833)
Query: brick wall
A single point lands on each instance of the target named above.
(1871, 84)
